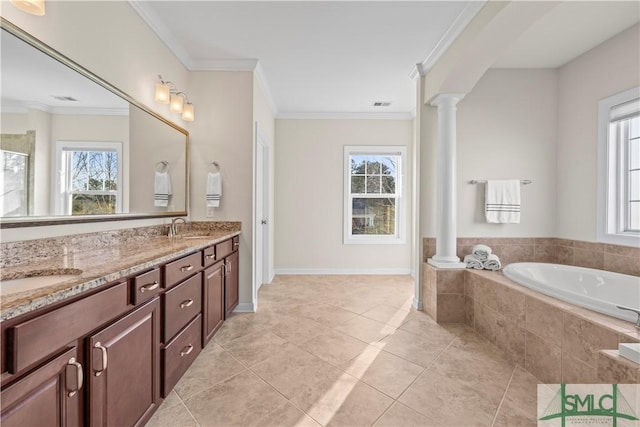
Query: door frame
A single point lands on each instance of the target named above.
(262, 202)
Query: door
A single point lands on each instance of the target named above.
(231, 282)
(262, 206)
(124, 369)
(213, 300)
(49, 396)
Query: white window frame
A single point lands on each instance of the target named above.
(401, 212)
(61, 182)
(612, 176)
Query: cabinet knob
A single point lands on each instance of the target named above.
(149, 287)
(103, 354)
(186, 268)
(73, 375)
(188, 349)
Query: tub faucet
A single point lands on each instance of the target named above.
(173, 229)
(631, 309)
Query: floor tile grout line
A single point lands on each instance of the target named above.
(504, 395)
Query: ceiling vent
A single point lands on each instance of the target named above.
(64, 98)
(381, 103)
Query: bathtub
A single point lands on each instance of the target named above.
(597, 290)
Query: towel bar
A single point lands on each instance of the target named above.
(522, 181)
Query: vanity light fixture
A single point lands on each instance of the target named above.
(34, 7)
(167, 93)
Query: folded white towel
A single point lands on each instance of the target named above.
(502, 201)
(492, 263)
(481, 252)
(214, 189)
(472, 262)
(161, 189)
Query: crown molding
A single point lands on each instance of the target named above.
(452, 33)
(80, 111)
(345, 116)
(161, 30)
(262, 81)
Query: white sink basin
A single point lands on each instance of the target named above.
(13, 286)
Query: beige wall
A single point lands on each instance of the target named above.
(223, 132)
(507, 130)
(309, 195)
(610, 68)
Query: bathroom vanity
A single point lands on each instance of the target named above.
(108, 353)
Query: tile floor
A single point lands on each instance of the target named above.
(350, 351)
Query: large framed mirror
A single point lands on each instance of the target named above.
(75, 148)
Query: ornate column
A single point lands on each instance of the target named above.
(446, 215)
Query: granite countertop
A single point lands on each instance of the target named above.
(98, 267)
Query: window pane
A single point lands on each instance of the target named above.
(85, 204)
(373, 166)
(373, 184)
(14, 175)
(634, 127)
(94, 170)
(634, 153)
(634, 217)
(373, 216)
(634, 185)
(357, 184)
(358, 164)
(389, 165)
(388, 184)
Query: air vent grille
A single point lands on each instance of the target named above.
(381, 103)
(64, 98)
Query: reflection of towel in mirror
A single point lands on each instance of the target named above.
(161, 189)
(492, 263)
(214, 189)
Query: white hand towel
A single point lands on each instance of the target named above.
(492, 263)
(214, 189)
(161, 189)
(473, 262)
(481, 252)
(502, 201)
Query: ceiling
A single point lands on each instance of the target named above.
(315, 56)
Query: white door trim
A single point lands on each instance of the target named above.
(261, 271)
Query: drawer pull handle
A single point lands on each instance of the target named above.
(73, 374)
(210, 256)
(103, 351)
(227, 266)
(186, 303)
(236, 244)
(186, 268)
(150, 287)
(188, 349)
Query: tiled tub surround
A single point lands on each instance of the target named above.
(102, 257)
(555, 341)
(601, 256)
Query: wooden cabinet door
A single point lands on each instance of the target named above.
(124, 369)
(231, 282)
(213, 301)
(49, 396)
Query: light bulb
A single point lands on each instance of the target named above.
(187, 112)
(162, 93)
(176, 103)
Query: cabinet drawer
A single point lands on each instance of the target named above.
(180, 353)
(37, 338)
(146, 286)
(179, 270)
(224, 248)
(209, 256)
(181, 304)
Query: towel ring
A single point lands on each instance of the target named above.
(162, 166)
(215, 164)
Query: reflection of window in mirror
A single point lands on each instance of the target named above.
(14, 182)
(90, 181)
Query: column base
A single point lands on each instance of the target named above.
(446, 264)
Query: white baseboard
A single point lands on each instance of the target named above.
(417, 304)
(343, 271)
(244, 307)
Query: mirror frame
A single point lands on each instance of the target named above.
(34, 221)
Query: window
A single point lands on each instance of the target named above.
(374, 199)
(90, 178)
(619, 169)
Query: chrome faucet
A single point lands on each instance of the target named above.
(173, 229)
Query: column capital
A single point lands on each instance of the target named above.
(446, 99)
